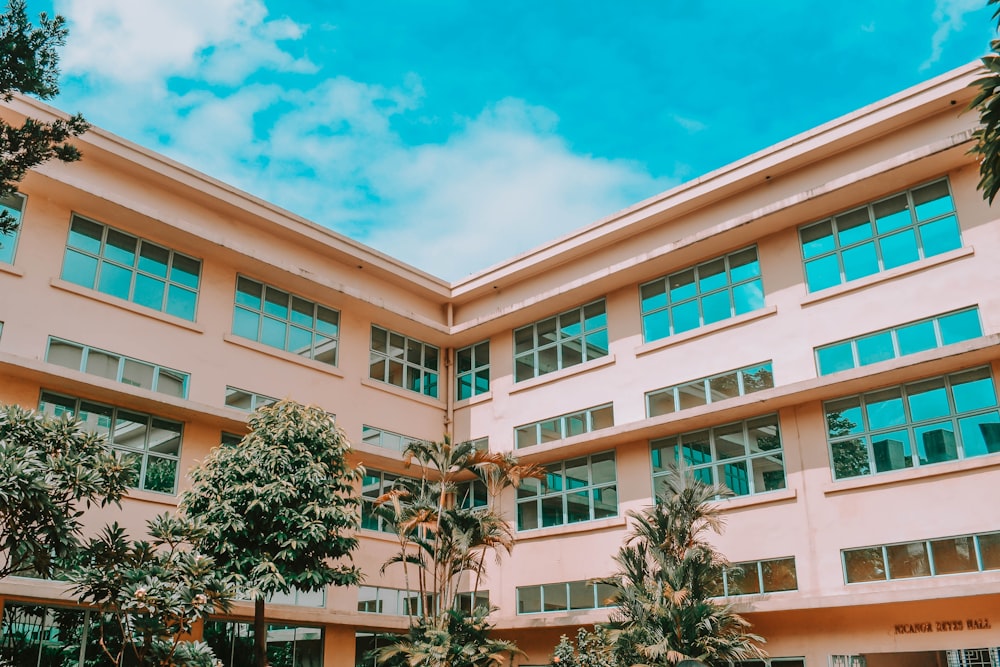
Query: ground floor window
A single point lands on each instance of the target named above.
(974, 657)
(39, 636)
(287, 645)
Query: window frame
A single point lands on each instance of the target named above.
(562, 423)
(11, 240)
(928, 550)
(526, 495)
(474, 372)
(87, 350)
(568, 592)
(560, 340)
(256, 400)
(758, 566)
(428, 377)
(741, 375)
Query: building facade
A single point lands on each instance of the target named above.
(817, 326)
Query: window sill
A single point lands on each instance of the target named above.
(402, 393)
(125, 305)
(765, 498)
(11, 269)
(705, 331)
(281, 354)
(474, 400)
(607, 360)
(927, 472)
(153, 497)
(570, 529)
(868, 281)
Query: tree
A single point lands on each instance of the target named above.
(592, 649)
(280, 509)
(446, 536)
(668, 575)
(150, 595)
(51, 471)
(987, 104)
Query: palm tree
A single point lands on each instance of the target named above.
(668, 574)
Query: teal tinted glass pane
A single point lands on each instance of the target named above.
(185, 270)
(936, 443)
(734, 475)
(79, 268)
(843, 417)
(153, 259)
(885, 409)
(940, 236)
(276, 302)
(891, 214)
(973, 390)
(653, 295)
(892, 451)
(875, 348)
(594, 316)
(302, 312)
(927, 399)
(853, 227)
(552, 511)
(715, 307)
(817, 239)
(249, 292)
(980, 434)
(748, 297)
(899, 249)
(703, 475)
(148, 291)
(430, 385)
(757, 378)
(850, 458)
(7, 243)
(960, 326)
(299, 341)
(569, 324)
(605, 501)
(120, 247)
(860, 261)
(932, 200)
(712, 275)
(464, 387)
(327, 321)
(482, 381)
(578, 507)
(656, 325)
(834, 358)
(916, 338)
(86, 235)
(743, 265)
(245, 323)
(463, 360)
(682, 285)
(181, 302)
(115, 280)
(685, 316)
(822, 273)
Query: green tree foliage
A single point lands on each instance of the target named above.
(29, 64)
(592, 649)
(51, 471)
(987, 104)
(149, 595)
(667, 576)
(280, 508)
(446, 540)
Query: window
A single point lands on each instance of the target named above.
(926, 558)
(709, 292)
(233, 643)
(375, 484)
(404, 362)
(760, 576)
(12, 206)
(922, 423)
(745, 456)
(401, 602)
(710, 389)
(247, 401)
(566, 596)
(472, 369)
(899, 341)
(897, 230)
(564, 426)
(471, 494)
(772, 662)
(582, 489)
(118, 368)
(378, 437)
(288, 322)
(113, 262)
(565, 340)
(150, 445)
(230, 439)
(299, 598)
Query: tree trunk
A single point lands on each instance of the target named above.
(259, 634)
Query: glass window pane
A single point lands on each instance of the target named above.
(273, 332)
(757, 378)
(735, 477)
(103, 364)
(768, 473)
(850, 458)
(594, 316)
(843, 417)
(748, 297)
(936, 442)
(823, 272)
(245, 323)
(885, 408)
(712, 275)
(685, 316)
(860, 261)
(572, 353)
(120, 247)
(730, 441)
(185, 271)
(302, 312)
(578, 507)
(960, 326)
(724, 386)
(300, 341)
(682, 286)
(581, 595)
(743, 579)
(181, 302)
(327, 321)
(696, 448)
(817, 239)
(973, 390)
(764, 434)
(779, 575)
(980, 434)
(661, 403)
(86, 235)
(892, 451)
(596, 344)
(743, 265)
(989, 550)
(552, 511)
(239, 399)
(899, 249)
(130, 430)
(570, 324)
(957, 554)
(529, 600)
(875, 348)
(602, 468)
(916, 338)
(864, 565)
(716, 307)
(853, 226)
(927, 399)
(276, 303)
(153, 259)
(605, 502)
(524, 339)
(138, 374)
(653, 295)
(908, 560)
(548, 360)
(67, 355)
(172, 383)
(834, 358)
(891, 214)
(165, 437)
(940, 236)
(932, 200)
(249, 292)
(148, 291)
(325, 350)
(692, 394)
(115, 280)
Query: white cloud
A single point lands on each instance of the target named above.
(950, 17)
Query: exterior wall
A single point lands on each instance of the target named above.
(913, 138)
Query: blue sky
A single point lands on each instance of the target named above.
(453, 135)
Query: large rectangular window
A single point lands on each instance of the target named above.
(744, 456)
(118, 368)
(760, 576)
(379, 437)
(283, 320)
(375, 484)
(150, 445)
(897, 230)
(128, 267)
(899, 341)
(564, 426)
(925, 558)
(922, 423)
(247, 401)
(565, 340)
(472, 370)
(582, 489)
(711, 389)
(709, 292)
(564, 596)
(404, 362)
(12, 206)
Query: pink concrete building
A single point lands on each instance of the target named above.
(815, 326)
